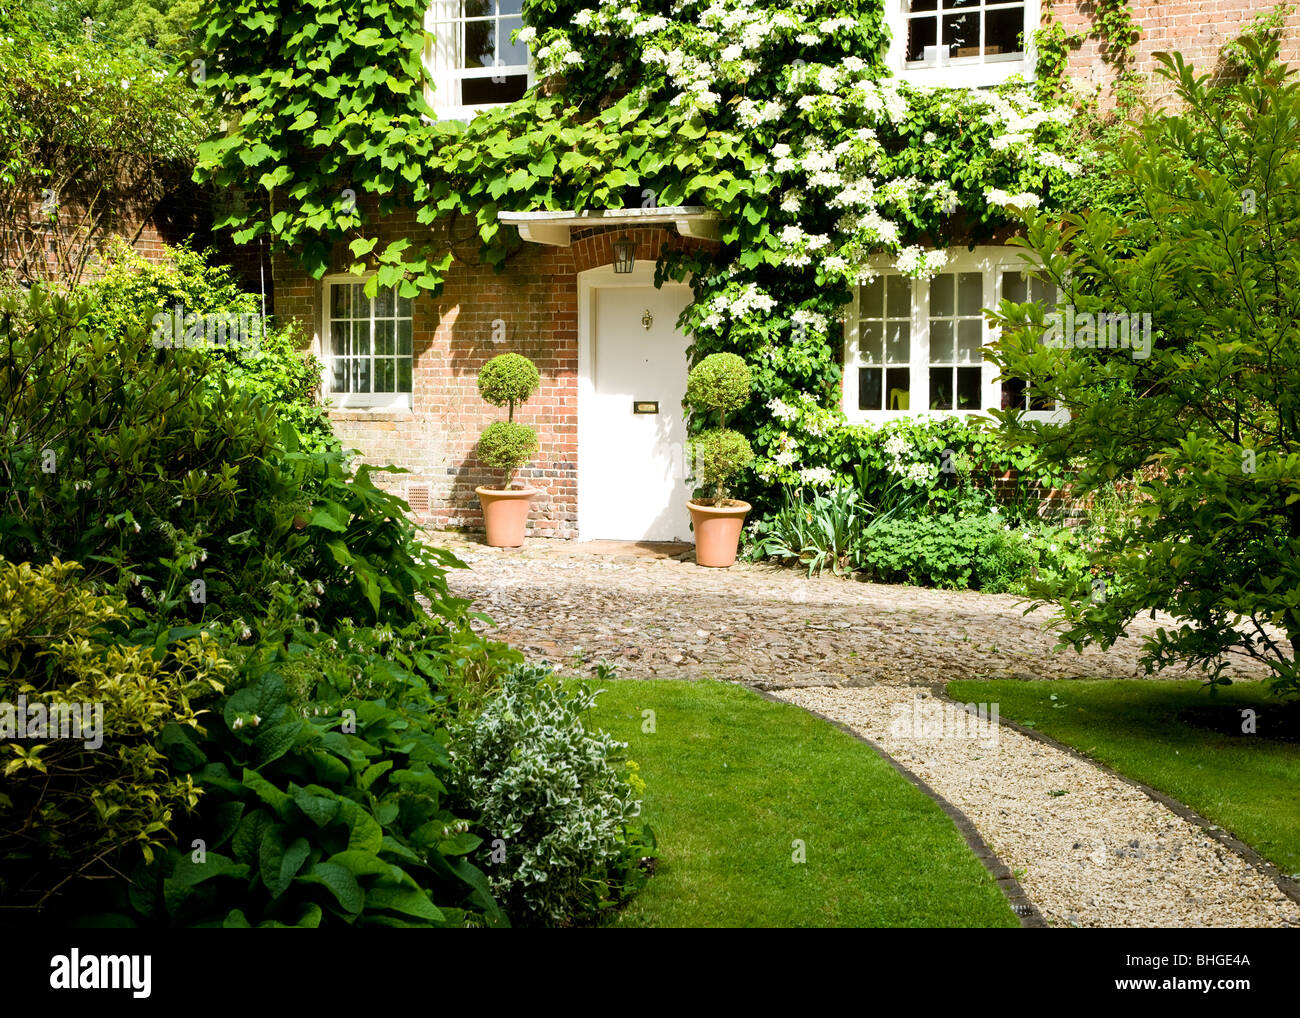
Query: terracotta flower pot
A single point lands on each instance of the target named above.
(505, 514)
(717, 532)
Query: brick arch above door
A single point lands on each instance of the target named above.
(593, 248)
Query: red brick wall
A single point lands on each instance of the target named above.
(184, 212)
(1196, 28)
(536, 296)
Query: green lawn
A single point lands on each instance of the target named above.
(1246, 784)
(733, 780)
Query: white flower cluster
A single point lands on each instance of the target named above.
(737, 302)
(920, 264)
(821, 477)
(903, 462)
(1024, 200)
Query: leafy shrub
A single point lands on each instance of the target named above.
(552, 796)
(133, 290)
(125, 458)
(978, 551)
(507, 445)
(720, 454)
(1199, 412)
(69, 812)
(330, 819)
(507, 379)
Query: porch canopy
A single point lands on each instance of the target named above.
(554, 227)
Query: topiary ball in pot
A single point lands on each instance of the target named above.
(506, 380)
(720, 383)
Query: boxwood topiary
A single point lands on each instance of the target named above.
(720, 454)
(720, 382)
(507, 379)
(507, 445)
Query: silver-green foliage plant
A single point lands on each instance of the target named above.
(551, 795)
(505, 380)
(720, 384)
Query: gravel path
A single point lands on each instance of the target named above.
(1088, 849)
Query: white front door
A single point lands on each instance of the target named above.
(632, 431)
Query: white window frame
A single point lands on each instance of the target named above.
(964, 72)
(355, 400)
(439, 51)
(991, 262)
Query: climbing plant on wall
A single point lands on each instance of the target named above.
(781, 118)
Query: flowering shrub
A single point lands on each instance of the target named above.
(554, 801)
(779, 117)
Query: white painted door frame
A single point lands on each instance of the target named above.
(589, 282)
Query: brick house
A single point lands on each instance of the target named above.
(401, 374)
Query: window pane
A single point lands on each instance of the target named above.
(921, 32)
(1044, 291)
(403, 307)
(360, 339)
(969, 381)
(898, 342)
(1013, 393)
(961, 34)
(941, 388)
(361, 379)
(970, 337)
(404, 337)
(384, 303)
(869, 388)
(507, 7)
(1013, 287)
(478, 8)
(480, 43)
(898, 383)
(475, 91)
(339, 304)
(384, 339)
(339, 379)
(403, 375)
(511, 52)
(941, 290)
(339, 332)
(871, 342)
(941, 343)
(385, 375)
(873, 296)
(360, 302)
(923, 5)
(899, 294)
(970, 293)
(1004, 30)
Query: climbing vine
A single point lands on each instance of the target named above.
(780, 118)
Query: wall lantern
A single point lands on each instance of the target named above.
(624, 254)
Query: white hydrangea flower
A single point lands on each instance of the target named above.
(821, 477)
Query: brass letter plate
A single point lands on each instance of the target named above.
(645, 406)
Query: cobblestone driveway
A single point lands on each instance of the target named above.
(653, 615)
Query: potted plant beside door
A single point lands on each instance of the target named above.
(505, 380)
(718, 384)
